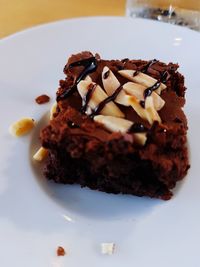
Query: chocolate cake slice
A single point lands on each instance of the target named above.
(119, 127)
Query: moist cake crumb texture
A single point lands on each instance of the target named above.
(118, 127)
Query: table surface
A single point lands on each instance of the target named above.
(16, 15)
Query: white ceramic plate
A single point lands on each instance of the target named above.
(36, 216)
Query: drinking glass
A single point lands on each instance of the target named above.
(180, 12)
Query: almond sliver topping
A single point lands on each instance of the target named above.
(141, 78)
(114, 124)
(131, 95)
(137, 90)
(110, 84)
(97, 97)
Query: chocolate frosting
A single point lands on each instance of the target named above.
(80, 65)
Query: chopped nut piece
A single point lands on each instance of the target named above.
(60, 251)
(21, 127)
(41, 154)
(107, 248)
(42, 99)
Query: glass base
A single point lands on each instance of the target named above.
(182, 17)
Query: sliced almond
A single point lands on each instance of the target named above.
(114, 124)
(97, 97)
(140, 138)
(136, 94)
(142, 112)
(88, 78)
(149, 106)
(137, 90)
(134, 89)
(110, 84)
(142, 79)
(158, 102)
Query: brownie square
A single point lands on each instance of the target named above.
(119, 127)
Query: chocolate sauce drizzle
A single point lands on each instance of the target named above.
(102, 104)
(72, 125)
(106, 74)
(147, 92)
(165, 76)
(88, 96)
(89, 64)
(148, 65)
(145, 68)
(137, 128)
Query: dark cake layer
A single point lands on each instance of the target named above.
(86, 152)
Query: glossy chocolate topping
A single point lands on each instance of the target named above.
(81, 65)
(137, 128)
(89, 64)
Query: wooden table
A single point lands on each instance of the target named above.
(16, 15)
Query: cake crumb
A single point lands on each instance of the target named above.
(42, 99)
(107, 248)
(60, 251)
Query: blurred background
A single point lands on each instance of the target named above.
(16, 15)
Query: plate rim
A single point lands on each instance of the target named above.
(76, 19)
(24, 32)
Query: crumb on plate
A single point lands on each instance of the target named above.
(107, 248)
(60, 251)
(42, 99)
